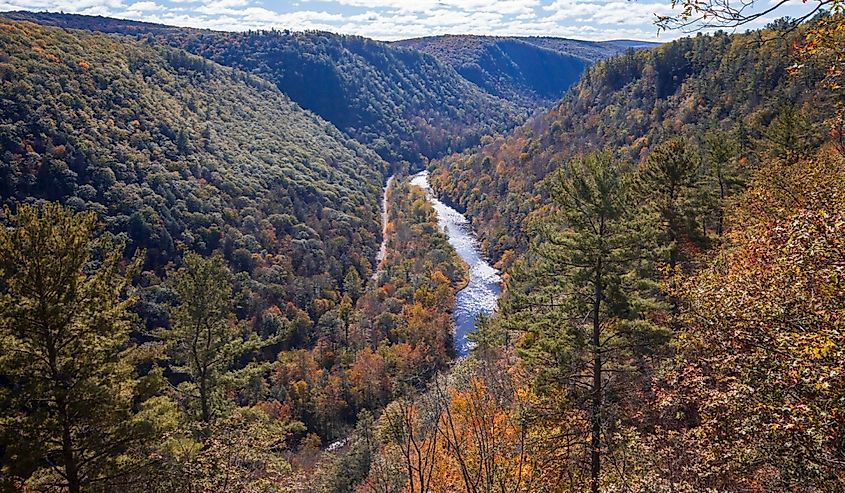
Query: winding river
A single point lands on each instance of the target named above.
(484, 287)
(481, 292)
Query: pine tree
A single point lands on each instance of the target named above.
(64, 325)
(790, 136)
(352, 284)
(665, 182)
(581, 294)
(721, 153)
(204, 339)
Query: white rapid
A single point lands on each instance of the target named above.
(484, 287)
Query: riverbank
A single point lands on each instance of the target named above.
(382, 250)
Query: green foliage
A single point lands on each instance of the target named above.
(665, 182)
(352, 284)
(403, 104)
(583, 300)
(723, 170)
(203, 340)
(245, 451)
(631, 103)
(342, 472)
(790, 136)
(95, 122)
(67, 401)
(520, 70)
(595, 248)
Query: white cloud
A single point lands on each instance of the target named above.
(391, 19)
(144, 7)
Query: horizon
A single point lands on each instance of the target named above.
(393, 20)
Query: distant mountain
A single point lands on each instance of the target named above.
(404, 104)
(631, 43)
(528, 71)
(175, 152)
(628, 103)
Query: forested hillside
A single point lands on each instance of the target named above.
(211, 241)
(193, 298)
(737, 84)
(672, 315)
(510, 68)
(721, 377)
(403, 104)
(175, 152)
(531, 72)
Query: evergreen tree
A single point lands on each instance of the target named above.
(721, 152)
(790, 136)
(665, 182)
(204, 339)
(67, 399)
(582, 293)
(352, 284)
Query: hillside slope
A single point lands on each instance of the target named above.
(528, 71)
(177, 153)
(628, 103)
(402, 103)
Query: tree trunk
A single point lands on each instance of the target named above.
(71, 469)
(595, 438)
(68, 456)
(721, 204)
(206, 414)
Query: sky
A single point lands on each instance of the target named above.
(396, 19)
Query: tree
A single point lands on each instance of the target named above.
(705, 14)
(581, 296)
(203, 338)
(790, 135)
(344, 312)
(340, 473)
(823, 43)
(721, 153)
(352, 285)
(763, 347)
(64, 328)
(409, 427)
(664, 182)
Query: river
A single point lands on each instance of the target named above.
(485, 285)
(481, 292)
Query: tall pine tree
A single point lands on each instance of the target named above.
(66, 407)
(203, 338)
(581, 296)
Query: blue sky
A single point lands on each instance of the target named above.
(395, 19)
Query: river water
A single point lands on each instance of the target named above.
(480, 294)
(484, 287)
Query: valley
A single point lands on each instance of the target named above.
(270, 260)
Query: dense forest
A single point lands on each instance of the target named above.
(403, 104)
(672, 316)
(178, 159)
(604, 368)
(193, 297)
(176, 153)
(202, 208)
(735, 84)
(531, 72)
(512, 69)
